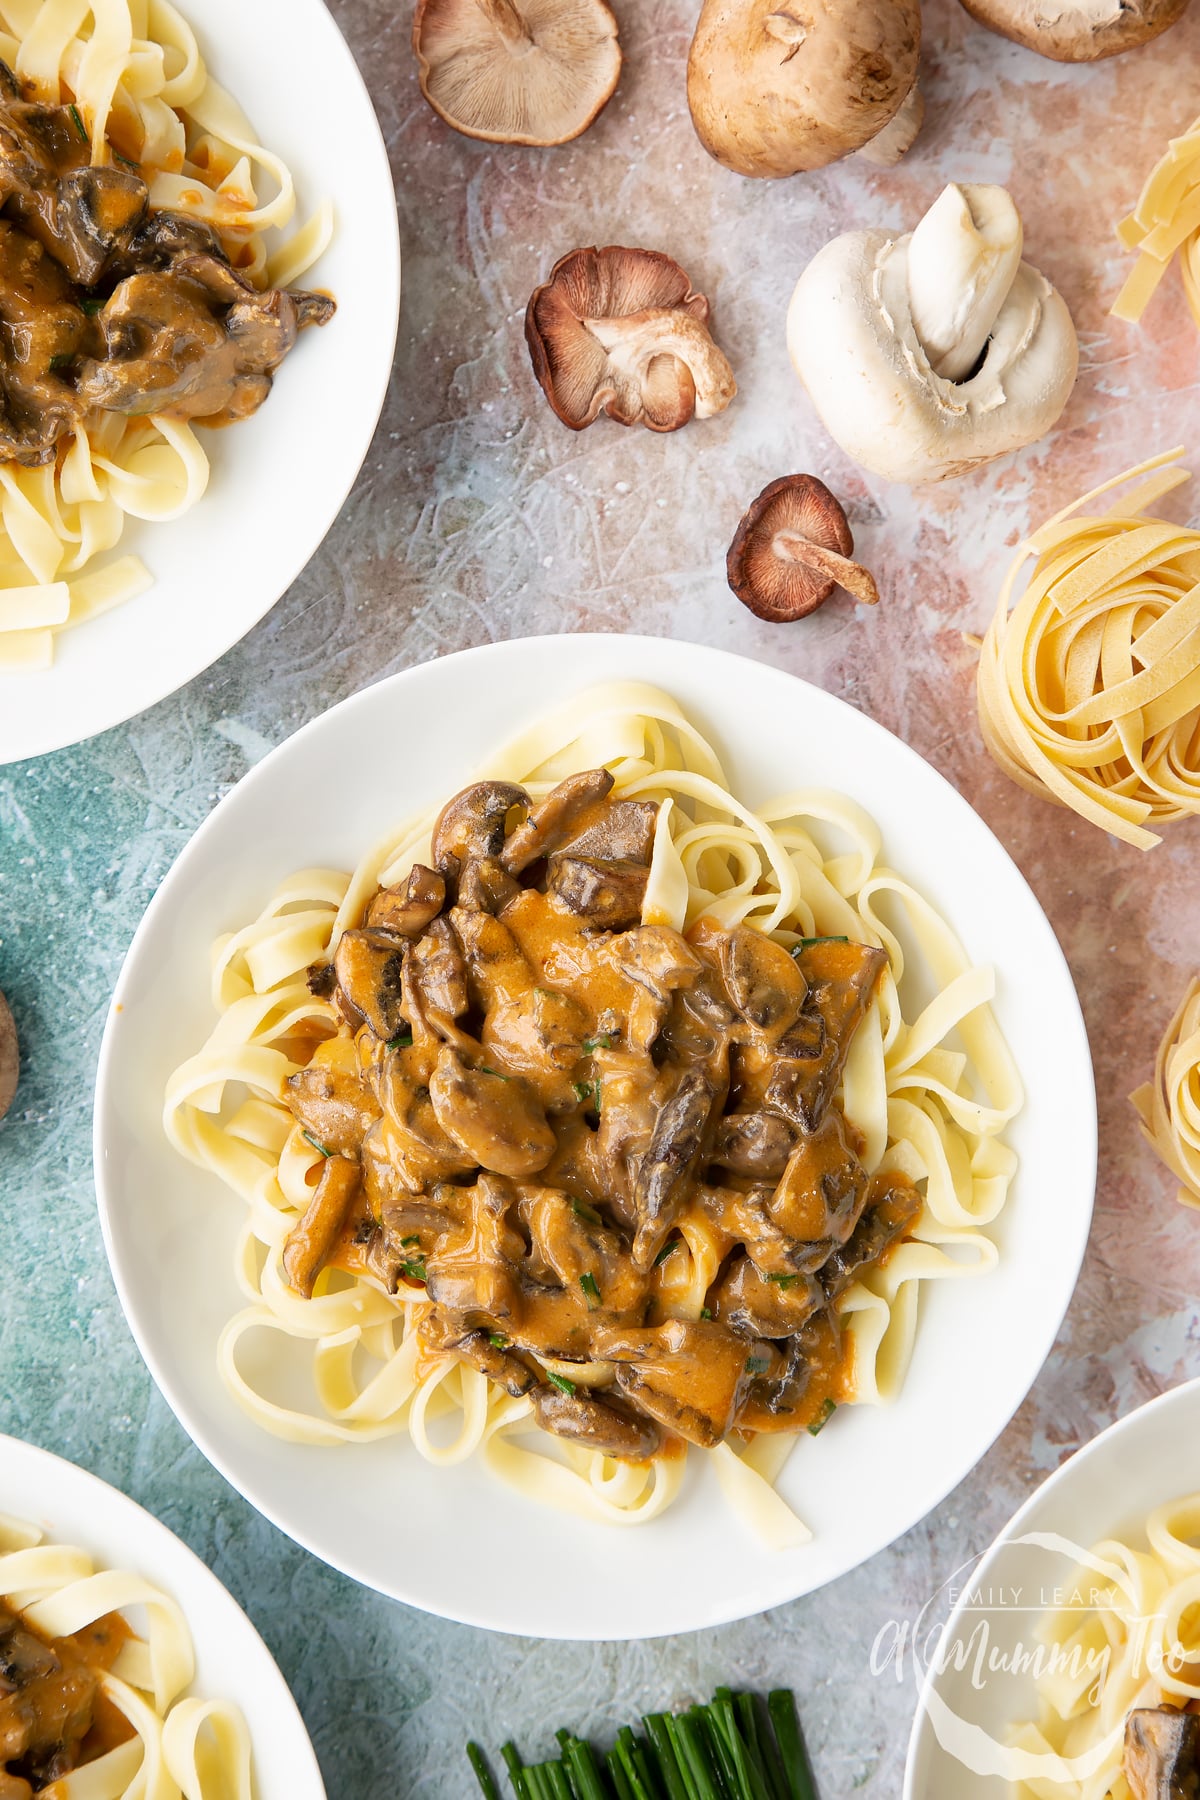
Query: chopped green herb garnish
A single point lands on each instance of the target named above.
(588, 1092)
(316, 1143)
(808, 943)
(706, 1312)
(498, 1341)
(77, 121)
(401, 1041)
(783, 1281)
(582, 1210)
(127, 160)
(560, 1382)
(670, 1245)
(590, 1287)
(91, 305)
(414, 1269)
(60, 362)
(603, 1041)
(818, 1425)
(484, 1070)
(414, 1239)
(757, 1365)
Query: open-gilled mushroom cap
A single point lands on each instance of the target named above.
(1078, 31)
(792, 549)
(621, 331)
(9, 1057)
(517, 71)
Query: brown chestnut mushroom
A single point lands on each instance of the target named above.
(517, 71)
(10, 1061)
(792, 549)
(621, 332)
(1078, 31)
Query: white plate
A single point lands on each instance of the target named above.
(278, 479)
(232, 1662)
(453, 1542)
(1108, 1488)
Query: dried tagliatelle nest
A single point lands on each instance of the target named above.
(1165, 222)
(1089, 687)
(1169, 1106)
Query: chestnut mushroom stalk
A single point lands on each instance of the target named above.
(929, 354)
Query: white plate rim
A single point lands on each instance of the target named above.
(1186, 1397)
(49, 728)
(120, 1534)
(1038, 1347)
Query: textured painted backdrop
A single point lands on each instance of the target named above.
(478, 517)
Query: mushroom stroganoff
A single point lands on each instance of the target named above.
(600, 1103)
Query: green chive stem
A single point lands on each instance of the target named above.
(781, 1705)
(664, 1755)
(516, 1771)
(483, 1774)
(617, 1774)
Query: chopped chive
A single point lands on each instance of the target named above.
(809, 943)
(516, 1771)
(91, 305)
(588, 1092)
(414, 1239)
(694, 1755)
(591, 1288)
(757, 1365)
(818, 1425)
(756, 1729)
(618, 1776)
(706, 1312)
(582, 1210)
(796, 1767)
(316, 1143)
(670, 1245)
(127, 160)
(561, 1383)
(602, 1041)
(415, 1270)
(584, 1770)
(783, 1281)
(61, 362)
(664, 1752)
(498, 1341)
(484, 1070)
(77, 121)
(401, 1041)
(557, 1785)
(483, 1774)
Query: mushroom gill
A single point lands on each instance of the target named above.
(621, 331)
(517, 71)
(792, 549)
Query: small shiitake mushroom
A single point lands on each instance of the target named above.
(517, 71)
(1078, 31)
(10, 1061)
(792, 549)
(621, 332)
(776, 87)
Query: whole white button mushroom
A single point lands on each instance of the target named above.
(931, 353)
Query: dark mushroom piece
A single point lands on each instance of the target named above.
(312, 1240)
(792, 549)
(409, 909)
(1162, 1754)
(622, 332)
(624, 832)
(665, 1171)
(764, 1306)
(497, 1119)
(551, 821)
(335, 1109)
(472, 824)
(689, 1375)
(821, 1196)
(517, 71)
(369, 967)
(599, 1423)
(407, 1151)
(762, 980)
(47, 1705)
(508, 1368)
(473, 1272)
(10, 1057)
(754, 1145)
(609, 895)
(435, 973)
(485, 886)
(41, 328)
(842, 981)
(583, 1255)
(893, 1204)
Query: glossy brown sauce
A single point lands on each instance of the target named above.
(534, 1102)
(53, 1716)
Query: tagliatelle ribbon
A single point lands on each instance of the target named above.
(1164, 223)
(1089, 685)
(1169, 1106)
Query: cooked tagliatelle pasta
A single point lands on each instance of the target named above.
(1169, 1106)
(1089, 685)
(145, 263)
(1164, 223)
(1119, 1682)
(96, 1668)
(598, 1201)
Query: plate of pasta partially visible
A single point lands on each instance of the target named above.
(644, 1125)
(129, 1672)
(198, 310)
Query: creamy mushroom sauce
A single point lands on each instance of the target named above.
(533, 1098)
(53, 1716)
(108, 305)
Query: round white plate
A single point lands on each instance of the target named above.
(453, 1542)
(279, 478)
(232, 1662)
(1106, 1489)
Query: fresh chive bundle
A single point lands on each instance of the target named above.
(731, 1749)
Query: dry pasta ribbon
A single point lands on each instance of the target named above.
(1169, 1106)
